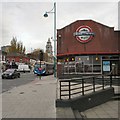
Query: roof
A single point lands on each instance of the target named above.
(16, 54)
(84, 21)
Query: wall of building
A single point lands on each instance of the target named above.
(102, 42)
(18, 59)
(90, 56)
(117, 39)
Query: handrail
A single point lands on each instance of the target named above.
(75, 86)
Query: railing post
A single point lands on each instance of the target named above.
(111, 80)
(69, 91)
(82, 86)
(103, 82)
(60, 90)
(93, 84)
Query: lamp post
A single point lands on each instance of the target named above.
(46, 15)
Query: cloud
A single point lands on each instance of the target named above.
(94, 11)
(25, 19)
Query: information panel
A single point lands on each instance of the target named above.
(106, 66)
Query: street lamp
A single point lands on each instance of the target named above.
(46, 15)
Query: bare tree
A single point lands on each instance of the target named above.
(16, 46)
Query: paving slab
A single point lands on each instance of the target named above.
(109, 109)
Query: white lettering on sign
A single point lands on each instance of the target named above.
(84, 34)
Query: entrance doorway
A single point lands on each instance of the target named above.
(114, 67)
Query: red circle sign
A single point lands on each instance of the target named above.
(84, 34)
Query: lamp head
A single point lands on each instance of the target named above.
(46, 15)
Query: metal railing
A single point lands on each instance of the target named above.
(70, 88)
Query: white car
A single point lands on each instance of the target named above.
(23, 68)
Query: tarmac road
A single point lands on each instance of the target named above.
(25, 78)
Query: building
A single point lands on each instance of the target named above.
(49, 51)
(88, 47)
(18, 58)
(2, 56)
(3, 51)
(5, 48)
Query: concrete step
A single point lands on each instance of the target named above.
(78, 115)
(64, 112)
(116, 96)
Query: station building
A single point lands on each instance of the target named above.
(88, 47)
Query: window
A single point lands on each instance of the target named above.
(83, 64)
(96, 60)
(97, 64)
(66, 67)
(21, 60)
(79, 67)
(71, 67)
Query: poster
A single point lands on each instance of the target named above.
(106, 66)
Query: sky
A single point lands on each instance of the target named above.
(25, 21)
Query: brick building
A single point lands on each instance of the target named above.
(88, 47)
(18, 58)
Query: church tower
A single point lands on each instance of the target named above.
(49, 50)
(49, 47)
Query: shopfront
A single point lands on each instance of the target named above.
(87, 47)
(90, 64)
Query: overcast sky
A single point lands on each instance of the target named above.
(25, 19)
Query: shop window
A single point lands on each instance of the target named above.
(66, 67)
(114, 57)
(79, 67)
(106, 57)
(77, 58)
(72, 59)
(71, 67)
(88, 68)
(96, 60)
(82, 64)
(85, 59)
(66, 59)
(96, 64)
(96, 68)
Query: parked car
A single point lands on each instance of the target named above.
(11, 73)
(23, 68)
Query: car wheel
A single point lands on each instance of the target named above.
(2, 77)
(12, 77)
(18, 76)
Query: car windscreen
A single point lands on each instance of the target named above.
(9, 71)
(38, 65)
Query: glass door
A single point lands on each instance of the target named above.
(114, 67)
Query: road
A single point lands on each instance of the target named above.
(25, 78)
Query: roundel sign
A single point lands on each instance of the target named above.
(84, 34)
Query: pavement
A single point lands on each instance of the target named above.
(108, 109)
(33, 100)
(37, 100)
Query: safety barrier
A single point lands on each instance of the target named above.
(70, 88)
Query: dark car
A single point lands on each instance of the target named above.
(11, 73)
